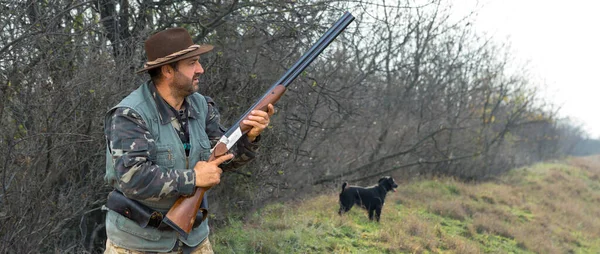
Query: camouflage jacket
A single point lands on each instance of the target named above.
(137, 173)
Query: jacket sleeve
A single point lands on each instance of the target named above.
(244, 150)
(132, 148)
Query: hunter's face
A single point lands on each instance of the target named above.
(186, 76)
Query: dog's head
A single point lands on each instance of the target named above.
(388, 183)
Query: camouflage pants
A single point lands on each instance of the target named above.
(203, 248)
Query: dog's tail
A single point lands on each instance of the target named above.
(344, 186)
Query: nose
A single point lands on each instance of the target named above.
(199, 68)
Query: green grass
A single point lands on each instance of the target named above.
(544, 208)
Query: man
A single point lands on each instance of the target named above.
(158, 140)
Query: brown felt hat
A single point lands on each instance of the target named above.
(170, 46)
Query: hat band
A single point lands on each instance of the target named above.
(171, 56)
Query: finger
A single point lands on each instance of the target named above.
(259, 119)
(222, 159)
(270, 109)
(255, 124)
(259, 113)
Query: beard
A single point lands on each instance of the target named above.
(183, 86)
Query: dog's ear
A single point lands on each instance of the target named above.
(381, 179)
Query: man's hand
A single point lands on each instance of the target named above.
(259, 120)
(208, 174)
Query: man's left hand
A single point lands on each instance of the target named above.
(259, 120)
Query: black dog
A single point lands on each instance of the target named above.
(370, 198)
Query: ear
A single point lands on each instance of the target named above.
(167, 71)
(381, 179)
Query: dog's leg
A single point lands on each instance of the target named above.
(378, 213)
(371, 211)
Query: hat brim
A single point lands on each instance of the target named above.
(199, 51)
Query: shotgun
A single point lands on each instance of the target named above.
(182, 214)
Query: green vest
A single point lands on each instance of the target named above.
(170, 155)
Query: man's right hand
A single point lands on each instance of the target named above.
(208, 174)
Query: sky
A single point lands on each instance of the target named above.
(560, 42)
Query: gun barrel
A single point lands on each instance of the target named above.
(304, 61)
(316, 49)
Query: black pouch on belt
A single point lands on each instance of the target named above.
(141, 214)
(133, 210)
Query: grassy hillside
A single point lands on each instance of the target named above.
(544, 208)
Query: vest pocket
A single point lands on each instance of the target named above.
(164, 156)
(204, 148)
